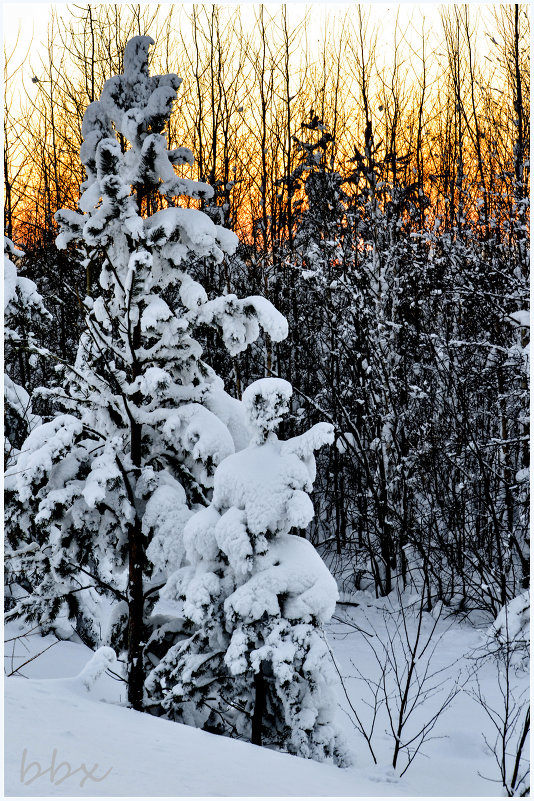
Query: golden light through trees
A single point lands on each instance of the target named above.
(428, 90)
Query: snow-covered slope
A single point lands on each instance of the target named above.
(49, 712)
(135, 754)
(51, 720)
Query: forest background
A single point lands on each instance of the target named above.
(378, 180)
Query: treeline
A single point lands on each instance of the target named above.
(383, 208)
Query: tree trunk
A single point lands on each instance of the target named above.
(259, 707)
(136, 559)
(135, 616)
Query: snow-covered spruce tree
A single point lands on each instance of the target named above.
(24, 312)
(24, 318)
(105, 488)
(257, 665)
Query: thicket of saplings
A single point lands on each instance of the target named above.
(383, 208)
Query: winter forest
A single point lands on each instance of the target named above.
(266, 400)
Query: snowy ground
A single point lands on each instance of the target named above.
(454, 758)
(51, 719)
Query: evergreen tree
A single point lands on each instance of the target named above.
(256, 665)
(24, 316)
(104, 489)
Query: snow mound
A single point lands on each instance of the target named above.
(511, 630)
(102, 659)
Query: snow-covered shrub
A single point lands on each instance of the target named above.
(256, 665)
(509, 635)
(507, 735)
(106, 487)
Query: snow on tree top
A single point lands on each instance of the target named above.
(149, 99)
(266, 401)
(42, 447)
(101, 660)
(136, 55)
(270, 318)
(17, 287)
(138, 105)
(510, 629)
